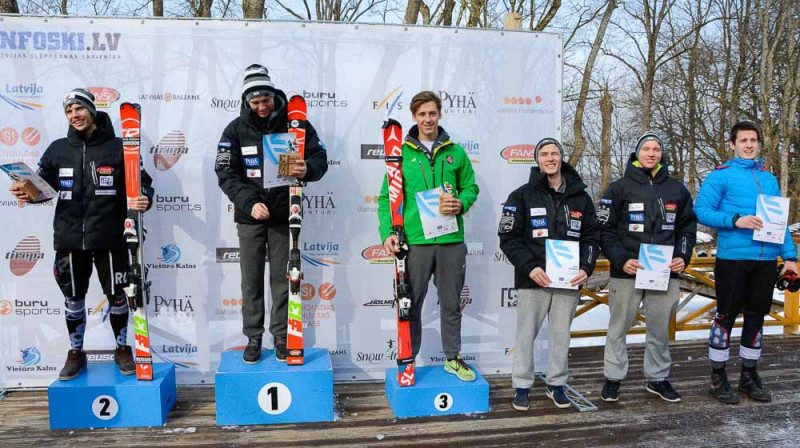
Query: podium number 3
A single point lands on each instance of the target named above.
(105, 407)
(443, 402)
(274, 398)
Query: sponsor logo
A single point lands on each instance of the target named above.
(509, 351)
(327, 291)
(457, 103)
(169, 150)
(500, 257)
(179, 349)
(252, 161)
(319, 204)
(315, 312)
(103, 96)
(390, 354)
(372, 152)
(473, 150)
(30, 360)
(31, 136)
(25, 255)
(66, 183)
(475, 248)
(25, 153)
(176, 204)
(105, 170)
(524, 105)
(466, 298)
(229, 105)
(391, 102)
(442, 359)
(227, 255)
(58, 41)
(322, 99)
(519, 153)
(380, 302)
(169, 305)
(231, 307)
(9, 136)
(671, 206)
(538, 222)
(100, 356)
(168, 97)
(307, 291)
(574, 214)
(5, 308)
(170, 259)
(22, 96)
(341, 352)
(370, 205)
(377, 254)
(320, 254)
(508, 297)
(636, 217)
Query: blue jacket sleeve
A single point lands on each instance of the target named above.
(707, 206)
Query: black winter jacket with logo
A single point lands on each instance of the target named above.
(640, 208)
(90, 180)
(240, 152)
(534, 212)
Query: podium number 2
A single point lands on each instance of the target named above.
(443, 402)
(274, 398)
(105, 407)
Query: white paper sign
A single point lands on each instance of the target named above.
(19, 171)
(434, 224)
(562, 262)
(274, 146)
(655, 259)
(774, 211)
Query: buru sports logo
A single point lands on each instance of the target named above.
(30, 356)
(58, 41)
(557, 252)
(170, 253)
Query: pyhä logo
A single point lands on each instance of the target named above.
(169, 150)
(25, 255)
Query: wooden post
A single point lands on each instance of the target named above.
(513, 21)
(791, 301)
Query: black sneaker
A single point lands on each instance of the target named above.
(721, 388)
(664, 390)
(76, 362)
(521, 400)
(610, 390)
(280, 349)
(123, 357)
(252, 353)
(750, 384)
(556, 393)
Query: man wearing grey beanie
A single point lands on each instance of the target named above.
(645, 206)
(262, 214)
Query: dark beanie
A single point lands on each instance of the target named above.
(83, 97)
(257, 83)
(646, 137)
(544, 142)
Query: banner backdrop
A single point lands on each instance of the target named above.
(501, 93)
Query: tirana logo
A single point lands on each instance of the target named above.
(519, 153)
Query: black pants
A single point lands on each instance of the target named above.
(746, 287)
(73, 269)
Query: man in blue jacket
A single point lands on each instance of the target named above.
(745, 270)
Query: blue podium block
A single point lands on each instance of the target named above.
(272, 392)
(101, 397)
(436, 392)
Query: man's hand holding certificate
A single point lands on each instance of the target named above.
(774, 212)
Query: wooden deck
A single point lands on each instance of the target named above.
(364, 419)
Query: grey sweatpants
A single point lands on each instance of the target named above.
(254, 241)
(533, 305)
(659, 306)
(448, 264)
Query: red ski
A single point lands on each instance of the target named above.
(138, 289)
(294, 270)
(393, 147)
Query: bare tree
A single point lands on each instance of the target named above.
(158, 8)
(9, 6)
(606, 113)
(251, 9)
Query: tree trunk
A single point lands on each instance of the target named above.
(251, 9)
(447, 14)
(577, 125)
(606, 112)
(412, 11)
(158, 8)
(9, 7)
(64, 8)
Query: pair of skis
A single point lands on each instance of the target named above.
(393, 148)
(138, 289)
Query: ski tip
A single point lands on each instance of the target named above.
(388, 122)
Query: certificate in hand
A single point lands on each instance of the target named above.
(774, 211)
(562, 262)
(656, 260)
(21, 172)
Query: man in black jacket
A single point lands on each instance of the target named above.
(87, 169)
(262, 214)
(645, 206)
(552, 205)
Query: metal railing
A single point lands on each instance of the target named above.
(697, 281)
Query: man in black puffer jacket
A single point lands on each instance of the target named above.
(552, 205)
(88, 171)
(645, 206)
(262, 214)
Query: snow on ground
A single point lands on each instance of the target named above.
(703, 237)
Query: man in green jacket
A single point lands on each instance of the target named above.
(431, 160)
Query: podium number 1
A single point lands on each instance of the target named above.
(105, 407)
(443, 402)
(274, 398)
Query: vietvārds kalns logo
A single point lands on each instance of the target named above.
(170, 259)
(22, 96)
(169, 150)
(24, 256)
(104, 96)
(519, 154)
(30, 360)
(59, 45)
(377, 254)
